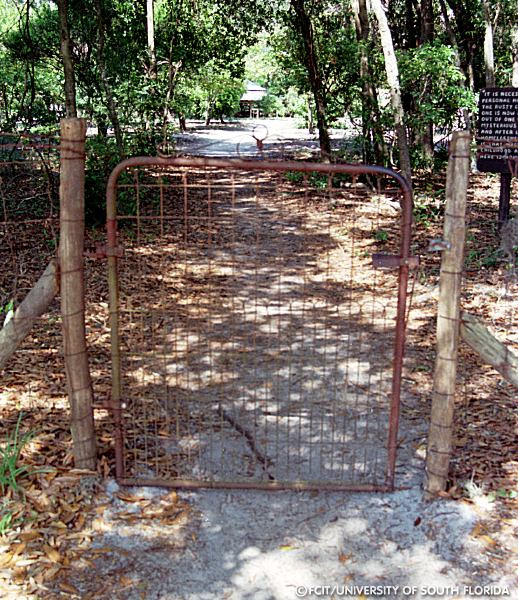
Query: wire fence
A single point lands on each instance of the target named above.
(485, 443)
(29, 235)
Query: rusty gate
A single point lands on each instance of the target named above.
(257, 314)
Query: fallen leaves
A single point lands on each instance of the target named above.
(52, 554)
(480, 532)
(69, 588)
(54, 551)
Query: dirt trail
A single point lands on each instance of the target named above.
(251, 138)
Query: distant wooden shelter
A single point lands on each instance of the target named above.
(249, 100)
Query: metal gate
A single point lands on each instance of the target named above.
(257, 316)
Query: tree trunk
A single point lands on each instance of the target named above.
(514, 53)
(427, 21)
(102, 127)
(455, 47)
(489, 60)
(469, 38)
(392, 70)
(152, 66)
(112, 109)
(208, 113)
(68, 63)
(172, 73)
(33, 306)
(372, 130)
(489, 348)
(305, 28)
(311, 124)
(150, 25)
(71, 262)
(448, 311)
(410, 24)
(31, 67)
(427, 34)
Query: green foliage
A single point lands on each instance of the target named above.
(102, 156)
(6, 518)
(294, 176)
(7, 308)
(11, 471)
(502, 493)
(430, 69)
(338, 57)
(297, 104)
(272, 106)
(482, 258)
(381, 236)
(206, 49)
(428, 208)
(30, 78)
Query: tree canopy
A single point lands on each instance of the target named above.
(321, 60)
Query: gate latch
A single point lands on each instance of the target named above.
(392, 261)
(102, 251)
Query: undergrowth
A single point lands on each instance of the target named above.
(12, 472)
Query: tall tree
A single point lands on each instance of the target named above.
(452, 36)
(468, 32)
(371, 125)
(427, 21)
(68, 63)
(489, 59)
(305, 29)
(150, 26)
(391, 67)
(110, 101)
(427, 35)
(514, 55)
(410, 24)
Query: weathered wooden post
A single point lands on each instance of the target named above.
(448, 316)
(71, 260)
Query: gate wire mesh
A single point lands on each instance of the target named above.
(29, 229)
(255, 340)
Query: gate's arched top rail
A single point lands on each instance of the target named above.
(259, 165)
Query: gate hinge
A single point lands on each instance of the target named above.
(392, 261)
(102, 405)
(107, 404)
(102, 251)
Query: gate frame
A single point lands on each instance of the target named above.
(404, 261)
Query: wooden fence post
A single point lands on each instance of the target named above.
(71, 260)
(448, 317)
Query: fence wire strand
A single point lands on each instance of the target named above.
(29, 234)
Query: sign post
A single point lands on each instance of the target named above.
(497, 140)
